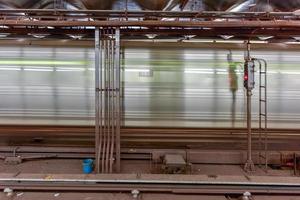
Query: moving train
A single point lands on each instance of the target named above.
(169, 87)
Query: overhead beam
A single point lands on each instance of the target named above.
(150, 44)
(155, 23)
(165, 31)
(243, 25)
(133, 14)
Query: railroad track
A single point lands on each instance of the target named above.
(142, 143)
(83, 136)
(77, 142)
(169, 186)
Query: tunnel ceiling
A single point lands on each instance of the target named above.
(210, 5)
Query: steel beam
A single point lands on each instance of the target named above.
(155, 23)
(134, 14)
(206, 33)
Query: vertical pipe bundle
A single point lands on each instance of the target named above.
(107, 99)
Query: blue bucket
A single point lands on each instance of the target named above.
(87, 166)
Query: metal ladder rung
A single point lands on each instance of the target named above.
(263, 157)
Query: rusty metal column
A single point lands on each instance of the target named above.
(249, 165)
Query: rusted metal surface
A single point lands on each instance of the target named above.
(77, 141)
(62, 14)
(146, 132)
(166, 23)
(131, 16)
(154, 23)
(74, 141)
(79, 130)
(166, 32)
(194, 156)
(164, 184)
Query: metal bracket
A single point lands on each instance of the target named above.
(15, 159)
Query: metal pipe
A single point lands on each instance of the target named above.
(108, 101)
(120, 86)
(113, 118)
(110, 39)
(97, 89)
(118, 96)
(100, 100)
(105, 101)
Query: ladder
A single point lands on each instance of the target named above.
(262, 129)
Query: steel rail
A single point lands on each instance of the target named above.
(78, 128)
(85, 131)
(146, 185)
(75, 141)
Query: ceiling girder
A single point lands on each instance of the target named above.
(203, 24)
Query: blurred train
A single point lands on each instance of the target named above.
(176, 87)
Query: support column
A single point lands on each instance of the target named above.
(107, 100)
(249, 165)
